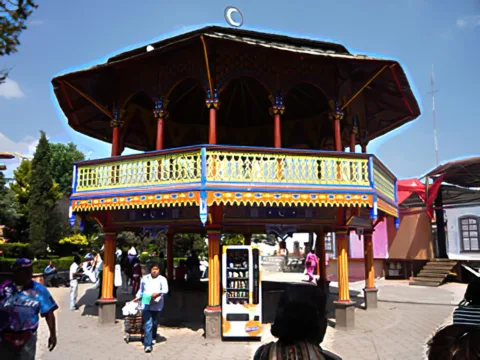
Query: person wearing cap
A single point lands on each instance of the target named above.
(21, 302)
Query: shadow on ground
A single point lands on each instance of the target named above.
(186, 302)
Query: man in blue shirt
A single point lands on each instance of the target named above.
(21, 302)
(153, 287)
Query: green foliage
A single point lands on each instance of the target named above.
(21, 189)
(62, 264)
(183, 243)
(233, 239)
(74, 239)
(63, 158)
(269, 239)
(8, 207)
(14, 14)
(43, 216)
(15, 250)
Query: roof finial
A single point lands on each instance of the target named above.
(229, 13)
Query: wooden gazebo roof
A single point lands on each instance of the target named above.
(246, 67)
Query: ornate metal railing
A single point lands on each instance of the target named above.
(217, 164)
(384, 181)
(283, 168)
(131, 172)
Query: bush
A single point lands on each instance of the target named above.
(62, 264)
(75, 239)
(15, 250)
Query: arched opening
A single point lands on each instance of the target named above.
(305, 123)
(188, 120)
(139, 127)
(244, 118)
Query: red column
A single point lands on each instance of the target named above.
(364, 148)
(161, 115)
(337, 116)
(278, 109)
(212, 132)
(213, 104)
(115, 139)
(248, 239)
(170, 256)
(353, 139)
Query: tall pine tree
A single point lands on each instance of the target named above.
(42, 201)
(21, 188)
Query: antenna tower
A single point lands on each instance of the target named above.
(432, 82)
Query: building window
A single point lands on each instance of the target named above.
(469, 233)
(329, 245)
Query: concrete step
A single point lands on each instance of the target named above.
(434, 267)
(439, 280)
(442, 263)
(424, 283)
(428, 274)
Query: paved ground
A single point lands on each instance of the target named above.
(398, 329)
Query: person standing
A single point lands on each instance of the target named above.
(311, 264)
(468, 311)
(136, 275)
(21, 302)
(75, 274)
(193, 267)
(153, 287)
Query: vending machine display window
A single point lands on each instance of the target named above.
(242, 292)
(237, 287)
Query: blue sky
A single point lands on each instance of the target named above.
(418, 33)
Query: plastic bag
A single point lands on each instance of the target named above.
(117, 279)
(130, 308)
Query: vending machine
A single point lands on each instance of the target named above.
(242, 292)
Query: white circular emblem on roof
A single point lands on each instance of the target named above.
(233, 16)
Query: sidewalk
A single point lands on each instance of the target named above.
(393, 331)
(389, 290)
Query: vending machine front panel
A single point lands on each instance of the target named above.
(241, 305)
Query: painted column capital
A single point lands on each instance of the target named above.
(159, 110)
(212, 101)
(337, 114)
(278, 107)
(117, 120)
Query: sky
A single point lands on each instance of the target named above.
(418, 33)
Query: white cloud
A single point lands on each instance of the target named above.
(468, 22)
(11, 90)
(25, 147)
(36, 22)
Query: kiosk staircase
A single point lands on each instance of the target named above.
(434, 273)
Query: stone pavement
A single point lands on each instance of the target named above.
(396, 330)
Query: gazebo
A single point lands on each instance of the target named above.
(241, 132)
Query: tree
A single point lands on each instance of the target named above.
(269, 239)
(21, 190)
(183, 243)
(8, 208)
(43, 218)
(63, 158)
(13, 17)
(233, 239)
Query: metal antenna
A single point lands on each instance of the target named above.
(432, 81)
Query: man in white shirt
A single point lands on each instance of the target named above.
(153, 287)
(75, 274)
